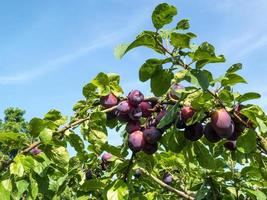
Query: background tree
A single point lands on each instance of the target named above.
(195, 138)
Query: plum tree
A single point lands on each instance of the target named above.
(161, 134)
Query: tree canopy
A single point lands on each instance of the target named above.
(195, 137)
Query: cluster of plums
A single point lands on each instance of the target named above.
(131, 110)
(145, 137)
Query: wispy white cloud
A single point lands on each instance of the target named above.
(244, 45)
(62, 61)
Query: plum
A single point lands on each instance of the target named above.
(167, 178)
(89, 174)
(123, 107)
(222, 123)
(133, 126)
(109, 101)
(152, 135)
(186, 113)
(123, 117)
(135, 113)
(106, 157)
(137, 173)
(136, 141)
(145, 107)
(180, 124)
(150, 148)
(194, 132)
(135, 97)
(160, 115)
(35, 151)
(175, 87)
(211, 134)
(230, 145)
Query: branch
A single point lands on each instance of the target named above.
(61, 131)
(168, 187)
(128, 167)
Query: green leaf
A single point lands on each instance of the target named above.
(17, 168)
(92, 185)
(5, 194)
(234, 68)
(183, 24)
(163, 15)
(177, 142)
(75, 141)
(246, 143)
(172, 113)
(203, 156)
(233, 79)
(46, 136)
(205, 54)
(248, 96)
(117, 190)
(148, 39)
(22, 186)
(58, 155)
(120, 50)
(161, 82)
(179, 40)
(256, 193)
(89, 91)
(114, 83)
(36, 126)
(95, 130)
(101, 81)
(198, 78)
(33, 188)
(149, 68)
(10, 137)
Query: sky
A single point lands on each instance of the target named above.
(50, 49)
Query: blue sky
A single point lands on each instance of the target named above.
(50, 49)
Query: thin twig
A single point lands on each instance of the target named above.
(168, 187)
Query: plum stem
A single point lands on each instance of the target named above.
(168, 187)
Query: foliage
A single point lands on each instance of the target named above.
(196, 167)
